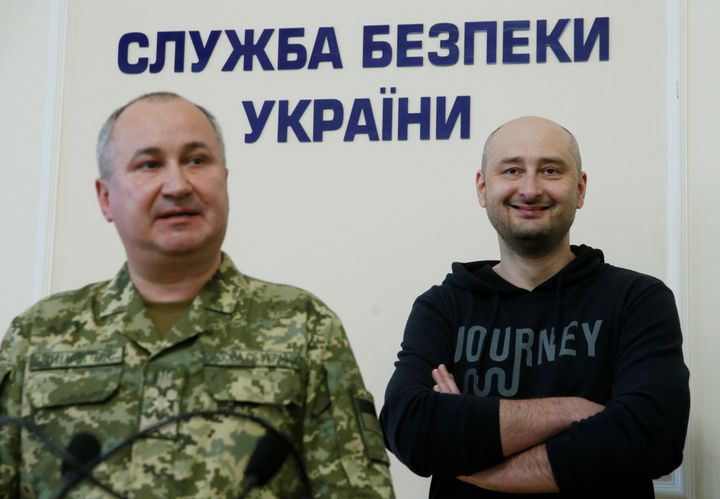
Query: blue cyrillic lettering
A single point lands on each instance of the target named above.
(599, 33)
(406, 118)
(203, 50)
(124, 63)
(510, 41)
(285, 49)
(404, 45)
(387, 115)
(449, 44)
(257, 121)
(552, 40)
(164, 38)
(378, 49)
(287, 119)
(322, 125)
(371, 46)
(249, 49)
(361, 110)
(445, 122)
(328, 116)
(490, 28)
(325, 36)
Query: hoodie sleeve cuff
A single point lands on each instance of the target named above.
(480, 423)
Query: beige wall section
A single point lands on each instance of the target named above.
(24, 59)
(24, 43)
(703, 156)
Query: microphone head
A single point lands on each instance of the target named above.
(84, 447)
(267, 458)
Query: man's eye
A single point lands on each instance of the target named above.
(551, 171)
(197, 160)
(512, 171)
(149, 165)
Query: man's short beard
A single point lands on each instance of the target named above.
(534, 245)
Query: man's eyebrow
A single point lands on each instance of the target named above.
(553, 159)
(516, 160)
(157, 151)
(150, 151)
(195, 145)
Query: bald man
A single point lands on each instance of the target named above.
(549, 371)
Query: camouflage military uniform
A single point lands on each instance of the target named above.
(90, 361)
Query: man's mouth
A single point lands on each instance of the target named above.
(180, 213)
(530, 210)
(530, 207)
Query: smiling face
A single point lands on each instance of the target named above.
(167, 195)
(531, 186)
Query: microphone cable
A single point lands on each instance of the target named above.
(70, 461)
(185, 417)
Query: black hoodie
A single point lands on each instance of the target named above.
(596, 331)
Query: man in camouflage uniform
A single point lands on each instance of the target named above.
(179, 330)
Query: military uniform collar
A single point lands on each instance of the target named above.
(219, 293)
(121, 304)
(222, 291)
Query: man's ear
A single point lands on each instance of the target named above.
(103, 196)
(480, 187)
(582, 187)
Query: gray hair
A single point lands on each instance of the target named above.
(104, 159)
(574, 148)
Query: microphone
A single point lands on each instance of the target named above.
(70, 464)
(82, 450)
(265, 461)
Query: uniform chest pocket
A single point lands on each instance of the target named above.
(57, 379)
(267, 377)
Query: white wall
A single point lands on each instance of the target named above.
(703, 153)
(26, 50)
(24, 59)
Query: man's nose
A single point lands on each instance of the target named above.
(530, 187)
(175, 182)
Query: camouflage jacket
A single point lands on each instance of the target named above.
(91, 361)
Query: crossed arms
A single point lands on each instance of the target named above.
(524, 427)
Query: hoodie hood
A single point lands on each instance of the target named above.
(480, 277)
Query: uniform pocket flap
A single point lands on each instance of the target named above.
(40, 361)
(66, 378)
(253, 358)
(261, 377)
